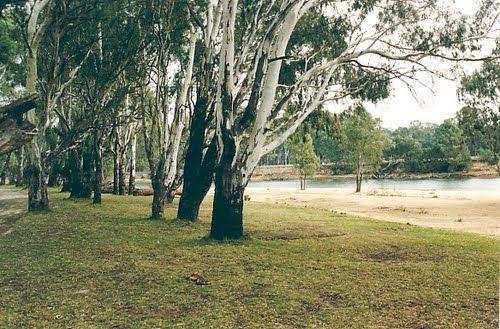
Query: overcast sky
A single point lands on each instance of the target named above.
(401, 108)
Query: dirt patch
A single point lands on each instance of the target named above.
(392, 255)
(335, 299)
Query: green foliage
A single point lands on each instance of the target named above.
(450, 144)
(481, 119)
(429, 148)
(473, 125)
(303, 156)
(486, 156)
(362, 139)
(11, 57)
(367, 85)
(482, 88)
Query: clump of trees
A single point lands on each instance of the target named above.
(480, 120)
(419, 148)
(204, 89)
(430, 148)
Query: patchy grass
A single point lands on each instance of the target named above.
(85, 266)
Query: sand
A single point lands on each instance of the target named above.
(475, 211)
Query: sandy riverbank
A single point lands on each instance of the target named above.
(471, 211)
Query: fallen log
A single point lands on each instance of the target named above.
(149, 192)
(143, 192)
(15, 131)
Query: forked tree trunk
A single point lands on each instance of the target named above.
(198, 177)
(198, 166)
(159, 191)
(158, 206)
(199, 162)
(227, 213)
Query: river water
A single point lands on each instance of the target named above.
(441, 184)
(433, 184)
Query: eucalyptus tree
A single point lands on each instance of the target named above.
(169, 69)
(114, 54)
(362, 141)
(54, 60)
(124, 122)
(200, 153)
(335, 50)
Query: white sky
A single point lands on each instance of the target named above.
(400, 109)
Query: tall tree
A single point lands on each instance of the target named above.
(362, 141)
(273, 55)
(167, 114)
(51, 69)
(201, 145)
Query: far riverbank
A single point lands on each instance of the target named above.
(288, 172)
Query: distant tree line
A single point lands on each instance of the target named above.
(422, 147)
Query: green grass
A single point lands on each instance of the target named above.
(108, 266)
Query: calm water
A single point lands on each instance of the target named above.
(444, 184)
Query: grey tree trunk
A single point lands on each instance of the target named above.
(359, 179)
(81, 187)
(38, 198)
(20, 169)
(132, 173)
(97, 157)
(159, 196)
(121, 174)
(5, 170)
(116, 166)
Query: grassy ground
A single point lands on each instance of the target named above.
(85, 266)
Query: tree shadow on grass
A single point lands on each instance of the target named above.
(11, 210)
